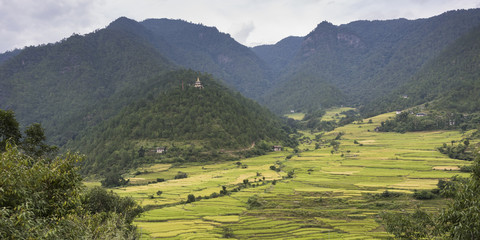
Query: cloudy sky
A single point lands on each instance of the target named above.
(250, 22)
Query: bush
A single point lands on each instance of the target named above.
(160, 179)
(273, 167)
(423, 195)
(466, 169)
(114, 179)
(190, 198)
(181, 175)
(227, 232)
(254, 202)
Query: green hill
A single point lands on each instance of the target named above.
(62, 85)
(358, 62)
(450, 81)
(205, 120)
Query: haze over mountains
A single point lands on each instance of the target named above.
(82, 81)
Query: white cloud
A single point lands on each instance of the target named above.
(241, 34)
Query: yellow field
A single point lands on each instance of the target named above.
(328, 197)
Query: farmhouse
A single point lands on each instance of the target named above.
(421, 115)
(161, 150)
(277, 148)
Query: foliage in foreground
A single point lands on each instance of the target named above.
(45, 199)
(458, 221)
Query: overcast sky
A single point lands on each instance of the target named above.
(250, 22)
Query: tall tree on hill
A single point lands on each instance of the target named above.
(9, 129)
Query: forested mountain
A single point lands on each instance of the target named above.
(62, 85)
(82, 81)
(357, 62)
(211, 118)
(451, 81)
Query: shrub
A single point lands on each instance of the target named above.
(114, 179)
(181, 175)
(423, 195)
(227, 232)
(190, 198)
(254, 202)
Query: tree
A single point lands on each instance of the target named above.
(45, 199)
(98, 200)
(460, 219)
(114, 179)
(34, 141)
(141, 152)
(9, 129)
(190, 198)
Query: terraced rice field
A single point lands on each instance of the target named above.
(329, 196)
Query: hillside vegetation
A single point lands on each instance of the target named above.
(357, 63)
(61, 85)
(209, 119)
(450, 81)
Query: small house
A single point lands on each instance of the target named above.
(277, 148)
(421, 115)
(161, 150)
(398, 112)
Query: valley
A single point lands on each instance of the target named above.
(331, 195)
(168, 129)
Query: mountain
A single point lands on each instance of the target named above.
(62, 85)
(204, 49)
(82, 81)
(450, 81)
(180, 116)
(359, 62)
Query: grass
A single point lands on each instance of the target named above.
(326, 198)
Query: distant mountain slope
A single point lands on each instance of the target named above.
(59, 84)
(363, 60)
(451, 81)
(213, 117)
(279, 55)
(9, 54)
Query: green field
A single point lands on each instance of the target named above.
(329, 196)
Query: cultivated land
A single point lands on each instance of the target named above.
(331, 195)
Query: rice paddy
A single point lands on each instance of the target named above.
(328, 197)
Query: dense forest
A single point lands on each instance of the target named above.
(449, 82)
